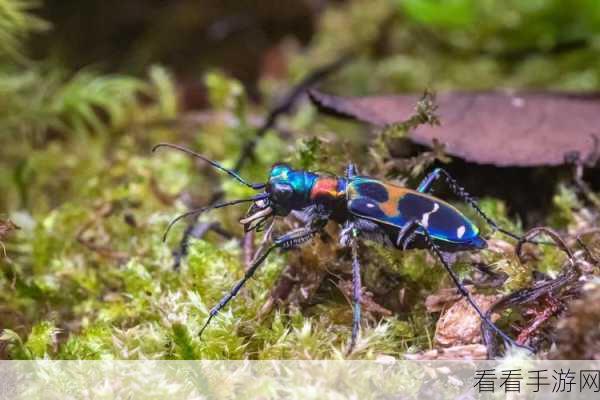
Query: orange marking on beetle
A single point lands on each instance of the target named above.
(325, 187)
(395, 193)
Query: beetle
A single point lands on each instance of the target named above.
(367, 209)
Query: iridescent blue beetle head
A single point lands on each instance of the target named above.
(288, 189)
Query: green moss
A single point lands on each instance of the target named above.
(565, 202)
(17, 22)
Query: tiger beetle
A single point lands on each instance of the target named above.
(366, 208)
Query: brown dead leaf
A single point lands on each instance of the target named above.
(459, 324)
(520, 129)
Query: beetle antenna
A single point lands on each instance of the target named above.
(204, 209)
(215, 164)
(512, 235)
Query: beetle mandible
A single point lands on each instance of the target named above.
(366, 208)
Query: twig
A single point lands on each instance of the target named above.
(527, 237)
(550, 306)
(524, 296)
(285, 105)
(197, 231)
(489, 278)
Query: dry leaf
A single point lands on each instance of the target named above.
(460, 324)
(523, 129)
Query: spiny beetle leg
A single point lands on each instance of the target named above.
(234, 291)
(463, 291)
(406, 235)
(286, 241)
(426, 184)
(295, 238)
(357, 292)
(351, 171)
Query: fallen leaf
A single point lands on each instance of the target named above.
(459, 324)
(519, 129)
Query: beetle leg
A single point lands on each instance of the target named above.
(357, 291)
(463, 291)
(296, 237)
(287, 241)
(351, 171)
(425, 187)
(406, 235)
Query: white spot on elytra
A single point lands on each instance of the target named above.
(370, 205)
(460, 231)
(425, 219)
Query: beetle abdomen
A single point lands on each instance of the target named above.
(397, 206)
